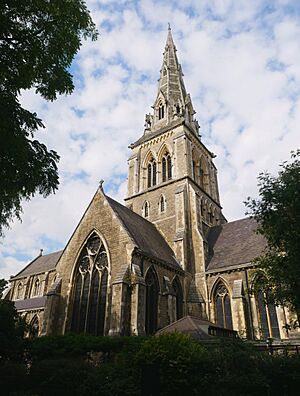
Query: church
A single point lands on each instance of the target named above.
(168, 253)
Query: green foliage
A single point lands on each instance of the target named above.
(127, 366)
(277, 211)
(12, 328)
(38, 41)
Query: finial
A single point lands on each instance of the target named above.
(169, 27)
(101, 184)
(41, 252)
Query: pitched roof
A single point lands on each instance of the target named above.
(40, 264)
(30, 303)
(234, 243)
(199, 329)
(146, 236)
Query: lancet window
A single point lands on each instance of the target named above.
(152, 290)
(151, 173)
(162, 204)
(36, 288)
(19, 291)
(223, 307)
(34, 327)
(90, 288)
(267, 316)
(146, 209)
(166, 167)
(161, 111)
(178, 298)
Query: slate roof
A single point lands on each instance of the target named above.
(40, 264)
(30, 303)
(146, 236)
(197, 328)
(234, 243)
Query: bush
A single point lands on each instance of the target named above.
(136, 366)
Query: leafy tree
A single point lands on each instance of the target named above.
(38, 41)
(12, 327)
(277, 211)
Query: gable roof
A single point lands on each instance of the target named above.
(197, 328)
(146, 236)
(42, 263)
(234, 243)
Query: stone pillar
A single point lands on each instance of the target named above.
(238, 309)
(138, 302)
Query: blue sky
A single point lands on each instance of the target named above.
(241, 61)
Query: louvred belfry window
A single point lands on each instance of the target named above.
(90, 288)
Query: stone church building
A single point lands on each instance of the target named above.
(169, 252)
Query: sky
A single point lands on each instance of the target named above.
(241, 65)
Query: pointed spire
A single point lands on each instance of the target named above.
(171, 102)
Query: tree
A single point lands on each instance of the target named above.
(277, 211)
(12, 327)
(38, 41)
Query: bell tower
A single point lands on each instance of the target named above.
(172, 180)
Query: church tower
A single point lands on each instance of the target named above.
(172, 180)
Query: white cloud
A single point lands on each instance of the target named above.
(242, 67)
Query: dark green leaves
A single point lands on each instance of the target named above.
(277, 210)
(38, 41)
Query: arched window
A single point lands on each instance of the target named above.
(267, 316)
(178, 298)
(90, 288)
(210, 215)
(19, 291)
(166, 167)
(201, 176)
(161, 111)
(146, 209)
(152, 289)
(36, 288)
(223, 307)
(162, 204)
(34, 327)
(151, 170)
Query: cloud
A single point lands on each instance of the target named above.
(241, 62)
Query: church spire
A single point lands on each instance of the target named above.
(172, 101)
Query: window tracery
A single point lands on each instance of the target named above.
(19, 291)
(166, 167)
(36, 288)
(151, 173)
(152, 290)
(223, 307)
(267, 316)
(161, 111)
(90, 288)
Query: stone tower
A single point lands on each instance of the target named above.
(172, 180)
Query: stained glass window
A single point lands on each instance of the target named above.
(90, 288)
